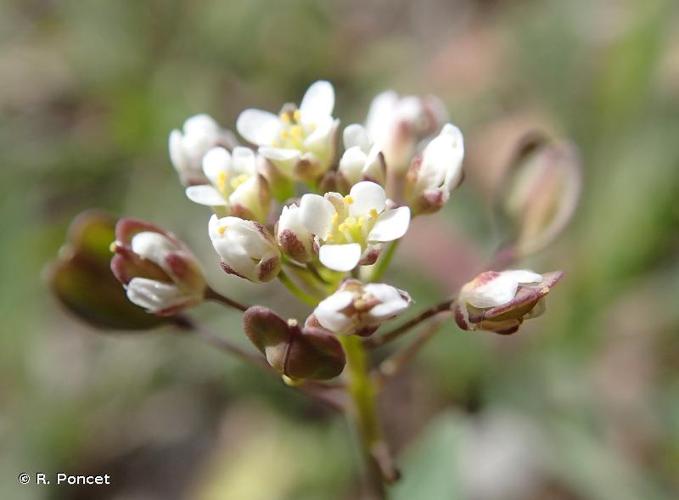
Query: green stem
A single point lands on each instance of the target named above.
(297, 291)
(384, 261)
(380, 469)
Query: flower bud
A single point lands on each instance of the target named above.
(361, 161)
(297, 353)
(234, 184)
(500, 301)
(398, 124)
(199, 134)
(246, 248)
(293, 237)
(359, 309)
(82, 281)
(435, 172)
(157, 270)
(540, 192)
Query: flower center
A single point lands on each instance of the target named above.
(227, 184)
(293, 133)
(351, 229)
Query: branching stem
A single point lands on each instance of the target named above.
(374, 342)
(211, 294)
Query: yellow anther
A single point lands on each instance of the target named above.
(296, 132)
(285, 117)
(237, 181)
(297, 115)
(221, 181)
(348, 200)
(373, 213)
(112, 246)
(221, 230)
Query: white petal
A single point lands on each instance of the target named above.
(201, 124)
(336, 302)
(318, 101)
(279, 154)
(380, 115)
(393, 301)
(216, 162)
(152, 246)
(523, 276)
(366, 196)
(328, 312)
(356, 135)
(321, 140)
(205, 195)
(352, 163)
(495, 292)
(177, 156)
(391, 225)
(153, 295)
(340, 257)
(244, 161)
(316, 214)
(258, 127)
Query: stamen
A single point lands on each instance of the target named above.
(373, 213)
(348, 200)
(221, 181)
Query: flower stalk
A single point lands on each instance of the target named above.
(375, 342)
(380, 469)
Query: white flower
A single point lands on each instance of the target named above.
(362, 160)
(397, 124)
(158, 272)
(293, 238)
(436, 172)
(500, 301)
(234, 184)
(299, 142)
(349, 227)
(246, 248)
(358, 308)
(200, 133)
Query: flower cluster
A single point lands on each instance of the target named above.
(287, 205)
(337, 229)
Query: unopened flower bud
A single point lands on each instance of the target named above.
(293, 237)
(293, 351)
(199, 134)
(246, 248)
(157, 270)
(82, 281)
(435, 172)
(359, 309)
(540, 193)
(397, 124)
(362, 160)
(500, 301)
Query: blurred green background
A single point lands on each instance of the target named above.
(582, 404)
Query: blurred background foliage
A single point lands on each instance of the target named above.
(582, 404)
